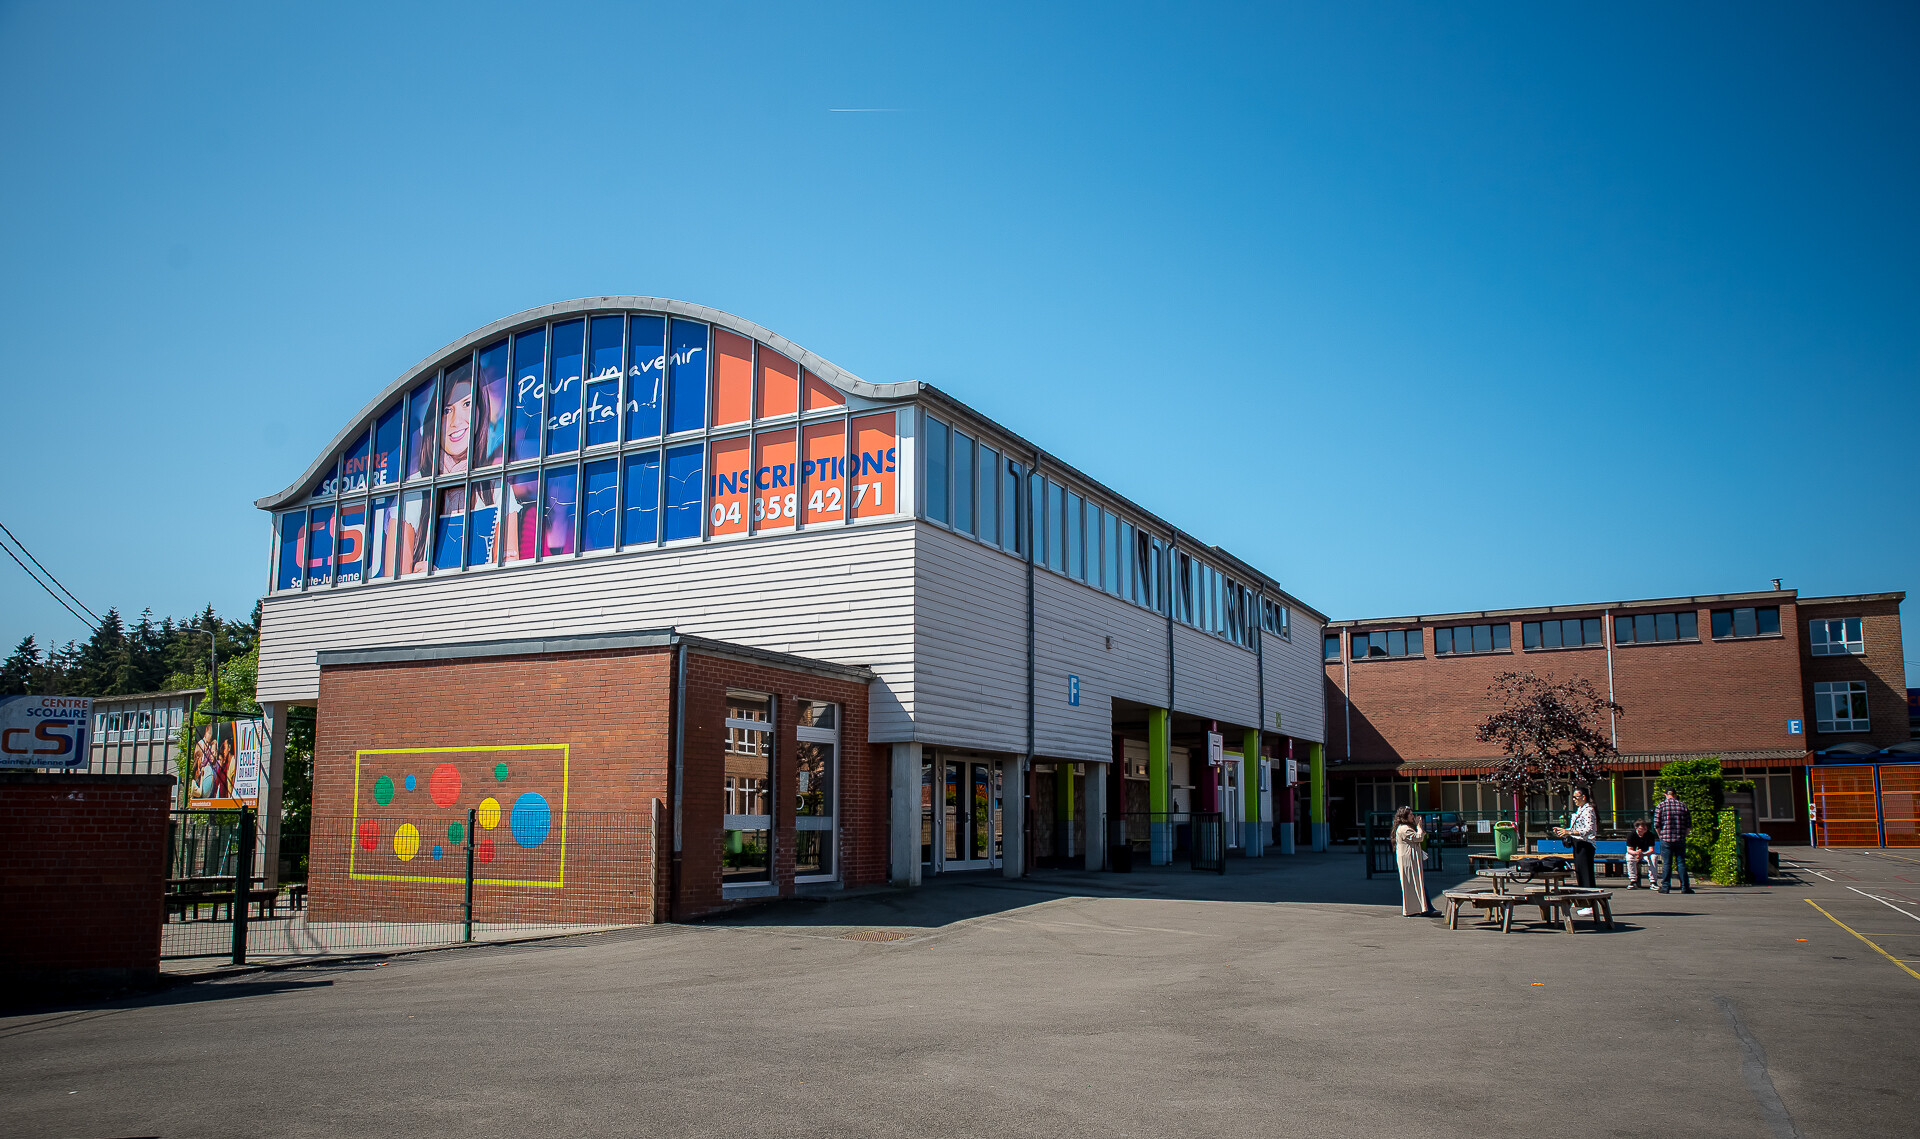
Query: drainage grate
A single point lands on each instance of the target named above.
(875, 935)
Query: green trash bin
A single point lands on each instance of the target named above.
(1505, 841)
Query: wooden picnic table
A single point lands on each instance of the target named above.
(1556, 906)
(1504, 878)
(1481, 900)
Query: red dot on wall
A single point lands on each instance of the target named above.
(369, 834)
(484, 851)
(445, 785)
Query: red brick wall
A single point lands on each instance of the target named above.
(863, 777)
(613, 711)
(1732, 695)
(83, 869)
(1883, 668)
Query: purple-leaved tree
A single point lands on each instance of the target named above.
(1551, 732)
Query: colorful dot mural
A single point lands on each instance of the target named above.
(403, 836)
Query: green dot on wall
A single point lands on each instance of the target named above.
(500, 772)
(456, 832)
(383, 790)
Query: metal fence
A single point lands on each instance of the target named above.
(1149, 838)
(383, 884)
(1378, 843)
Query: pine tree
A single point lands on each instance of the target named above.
(22, 670)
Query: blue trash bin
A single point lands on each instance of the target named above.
(1756, 852)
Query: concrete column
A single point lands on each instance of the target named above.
(1013, 816)
(1159, 744)
(903, 841)
(273, 754)
(1096, 785)
(1317, 758)
(1252, 843)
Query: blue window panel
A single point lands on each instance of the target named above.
(603, 487)
(686, 383)
(483, 516)
(528, 388)
(646, 375)
(557, 521)
(386, 448)
(936, 451)
(420, 433)
(686, 471)
(353, 467)
(291, 526)
(640, 500)
(563, 390)
(447, 534)
(603, 347)
(490, 408)
(320, 545)
(603, 412)
(328, 482)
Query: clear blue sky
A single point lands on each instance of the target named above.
(1418, 309)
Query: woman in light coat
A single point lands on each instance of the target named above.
(1409, 848)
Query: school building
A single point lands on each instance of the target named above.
(636, 559)
(1803, 695)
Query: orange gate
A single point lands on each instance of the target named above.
(1866, 804)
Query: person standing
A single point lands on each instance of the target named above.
(1579, 834)
(1640, 856)
(1410, 850)
(1672, 819)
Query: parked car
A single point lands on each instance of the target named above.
(1452, 829)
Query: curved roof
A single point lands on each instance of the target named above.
(824, 369)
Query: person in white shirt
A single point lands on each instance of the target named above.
(1580, 833)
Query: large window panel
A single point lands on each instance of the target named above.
(490, 407)
(420, 430)
(1056, 527)
(776, 384)
(821, 395)
(1076, 537)
(353, 467)
(987, 505)
(292, 527)
(483, 521)
(935, 450)
(873, 466)
(646, 375)
(557, 512)
(410, 551)
(449, 527)
(350, 541)
(456, 417)
(602, 414)
(1109, 552)
(1839, 636)
(523, 517)
(732, 486)
(1010, 507)
(747, 790)
(382, 542)
(319, 546)
(563, 389)
(684, 475)
(329, 481)
(640, 499)
(529, 391)
(1129, 573)
(775, 497)
(732, 378)
(687, 379)
(962, 482)
(600, 517)
(384, 467)
(823, 467)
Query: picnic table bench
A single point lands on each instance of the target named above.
(1480, 900)
(216, 892)
(1556, 906)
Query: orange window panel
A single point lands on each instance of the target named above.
(778, 382)
(732, 476)
(775, 497)
(871, 484)
(732, 378)
(1900, 803)
(823, 471)
(821, 394)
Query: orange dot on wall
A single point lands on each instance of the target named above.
(445, 784)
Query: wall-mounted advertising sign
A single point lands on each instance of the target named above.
(44, 731)
(228, 764)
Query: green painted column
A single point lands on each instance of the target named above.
(1252, 843)
(1159, 745)
(1063, 809)
(1317, 759)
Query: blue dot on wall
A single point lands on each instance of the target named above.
(437, 852)
(530, 820)
(409, 782)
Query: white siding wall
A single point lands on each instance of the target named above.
(1215, 679)
(841, 595)
(1295, 681)
(971, 637)
(1072, 623)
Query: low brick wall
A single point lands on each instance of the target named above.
(83, 867)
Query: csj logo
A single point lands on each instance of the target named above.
(44, 731)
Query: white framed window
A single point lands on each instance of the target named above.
(1840, 706)
(1840, 636)
(816, 833)
(746, 856)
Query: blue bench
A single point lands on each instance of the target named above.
(1610, 854)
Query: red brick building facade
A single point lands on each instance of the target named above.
(1733, 675)
(589, 772)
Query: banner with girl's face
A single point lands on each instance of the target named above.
(227, 764)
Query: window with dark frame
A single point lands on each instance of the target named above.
(1386, 643)
(1736, 624)
(1566, 633)
(1464, 640)
(1652, 628)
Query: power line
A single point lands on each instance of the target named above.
(42, 584)
(49, 573)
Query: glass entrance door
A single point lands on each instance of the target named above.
(969, 820)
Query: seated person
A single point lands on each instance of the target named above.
(1640, 856)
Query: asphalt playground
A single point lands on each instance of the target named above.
(1287, 997)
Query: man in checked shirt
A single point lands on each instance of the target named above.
(1671, 821)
